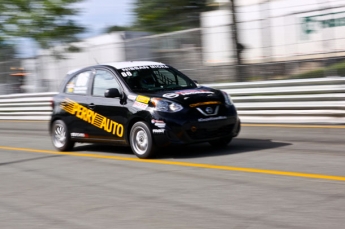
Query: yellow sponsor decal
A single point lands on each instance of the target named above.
(143, 99)
(92, 117)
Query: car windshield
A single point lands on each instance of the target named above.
(155, 78)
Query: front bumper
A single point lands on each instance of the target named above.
(171, 131)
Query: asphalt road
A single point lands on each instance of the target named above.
(269, 177)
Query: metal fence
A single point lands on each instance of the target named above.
(278, 43)
(301, 41)
(183, 50)
(292, 39)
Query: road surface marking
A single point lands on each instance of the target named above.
(295, 126)
(243, 124)
(185, 164)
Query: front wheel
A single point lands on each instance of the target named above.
(141, 140)
(61, 137)
(222, 142)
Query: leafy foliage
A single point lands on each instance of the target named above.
(168, 15)
(48, 22)
(332, 70)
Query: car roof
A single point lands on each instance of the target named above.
(123, 64)
(128, 64)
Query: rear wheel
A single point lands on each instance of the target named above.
(61, 137)
(222, 142)
(141, 141)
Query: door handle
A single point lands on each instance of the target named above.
(92, 106)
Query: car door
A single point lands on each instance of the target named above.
(110, 113)
(74, 101)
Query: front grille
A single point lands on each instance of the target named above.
(201, 134)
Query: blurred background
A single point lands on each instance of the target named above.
(209, 40)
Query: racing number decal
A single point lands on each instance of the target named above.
(93, 118)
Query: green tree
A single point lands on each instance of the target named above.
(168, 15)
(116, 28)
(48, 22)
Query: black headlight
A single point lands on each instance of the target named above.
(165, 105)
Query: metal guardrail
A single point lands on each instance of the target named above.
(319, 101)
(26, 106)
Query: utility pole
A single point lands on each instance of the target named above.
(237, 45)
(266, 30)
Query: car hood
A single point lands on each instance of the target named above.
(190, 96)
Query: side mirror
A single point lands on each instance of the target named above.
(112, 93)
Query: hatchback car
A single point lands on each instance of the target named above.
(147, 105)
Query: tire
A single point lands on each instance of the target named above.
(141, 141)
(61, 136)
(220, 143)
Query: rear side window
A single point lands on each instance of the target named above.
(78, 84)
(103, 80)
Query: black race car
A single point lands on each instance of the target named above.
(147, 105)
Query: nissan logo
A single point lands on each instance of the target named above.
(209, 110)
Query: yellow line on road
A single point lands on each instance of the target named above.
(243, 124)
(295, 126)
(185, 164)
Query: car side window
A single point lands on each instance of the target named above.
(78, 84)
(103, 80)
